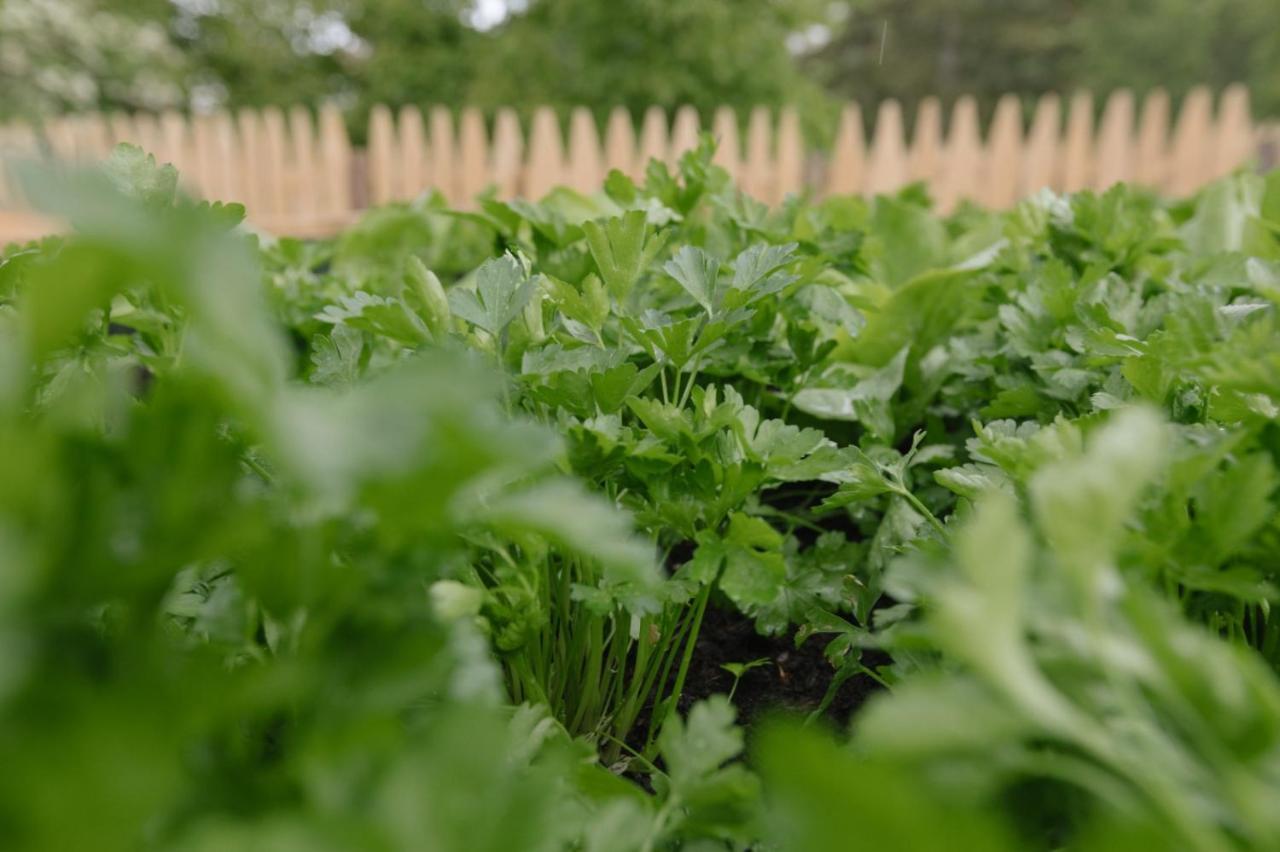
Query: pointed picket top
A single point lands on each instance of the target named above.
(1115, 141)
(304, 187)
(728, 156)
(381, 155)
(442, 146)
(1234, 141)
(275, 154)
(789, 177)
(620, 143)
(653, 139)
(1151, 154)
(1078, 153)
(888, 167)
(1191, 156)
(411, 136)
(545, 169)
(473, 157)
(1002, 161)
(586, 165)
(757, 168)
(962, 156)
(684, 131)
(847, 171)
(1040, 158)
(926, 142)
(508, 153)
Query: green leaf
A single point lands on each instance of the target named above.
(622, 249)
(501, 292)
(697, 272)
(867, 402)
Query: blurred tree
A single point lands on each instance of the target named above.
(911, 48)
(908, 49)
(1178, 44)
(699, 52)
(81, 54)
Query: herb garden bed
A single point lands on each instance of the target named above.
(651, 519)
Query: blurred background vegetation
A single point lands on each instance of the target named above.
(63, 55)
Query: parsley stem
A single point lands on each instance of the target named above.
(920, 507)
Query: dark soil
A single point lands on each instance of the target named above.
(794, 680)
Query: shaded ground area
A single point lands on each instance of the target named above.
(793, 681)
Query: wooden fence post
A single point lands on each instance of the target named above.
(336, 166)
(545, 169)
(1151, 166)
(443, 150)
(1040, 163)
(382, 155)
(757, 173)
(728, 152)
(962, 157)
(1002, 163)
(888, 168)
(926, 142)
(586, 166)
(1191, 154)
(848, 159)
(620, 144)
(1234, 142)
(474, 174)
(1115, 141)
(789, 177)
(508, 153)
(1077, 154)
(684, 132)
(415, 155)
(653, 139)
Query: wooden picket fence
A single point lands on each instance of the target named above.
(298, 173)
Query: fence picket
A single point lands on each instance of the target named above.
(146, 134)
(508, 151)
(962, 156)
(1151, 157)
(789, 174)
(620, 143)
(1191, 156)
(1234, 141)
(848, 158)
(442, 146)
(1115, 141)
(545, 168)
(295, 171)
(757, 169)
(275, 154)
(586, 166)
(473, 157)
(336, 159)
(411, 135)
(1002, 162)
(728, 154)
(1077, 153)
(382, 155)
(653, 139)
(888, 169)
(926, 142)
(684, 131)
(1040, 161)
